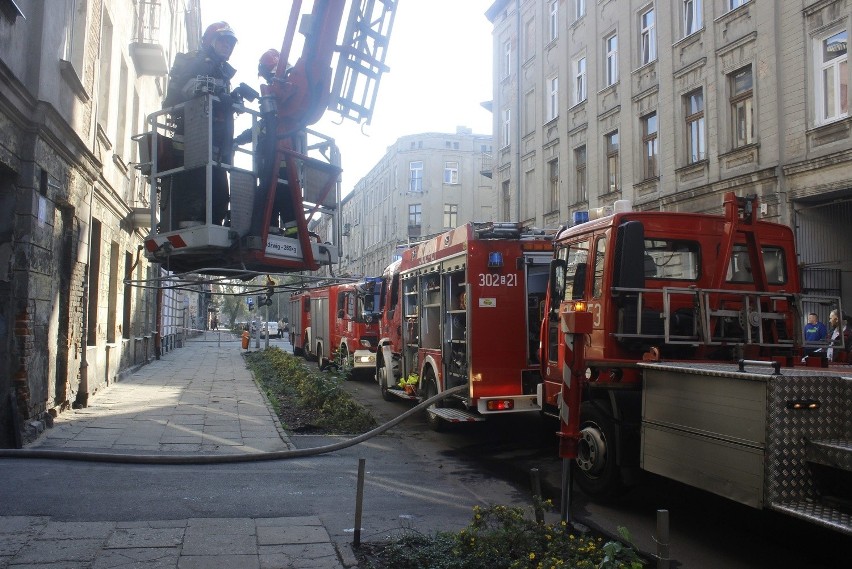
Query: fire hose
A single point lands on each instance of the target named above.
(196, 459)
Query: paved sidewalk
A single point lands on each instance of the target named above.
(199, 399)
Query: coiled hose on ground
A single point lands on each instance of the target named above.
(197, 459)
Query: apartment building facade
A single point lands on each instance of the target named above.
(672, 103)
(424, 184)
(77, 78)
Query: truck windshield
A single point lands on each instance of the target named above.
(672, 259)
(368, 306)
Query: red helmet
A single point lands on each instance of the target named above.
(268, 63)
(216, 31)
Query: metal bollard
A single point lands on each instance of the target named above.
(359, 502)
(662, 539)
(535, 483)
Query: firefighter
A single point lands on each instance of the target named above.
(283, 217)
(195, 73)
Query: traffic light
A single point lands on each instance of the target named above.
(270, 290)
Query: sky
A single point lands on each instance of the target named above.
(440, 71)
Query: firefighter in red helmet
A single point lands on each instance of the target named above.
(198, 73)
(268, 64)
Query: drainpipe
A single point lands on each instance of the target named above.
(518, 104)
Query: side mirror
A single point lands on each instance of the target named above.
(556, 283)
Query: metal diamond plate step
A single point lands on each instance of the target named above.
(819, 514)
(455, 415)
(836, 453)
(402, 394)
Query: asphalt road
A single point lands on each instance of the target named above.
(706, 531)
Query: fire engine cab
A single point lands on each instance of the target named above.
(464, 308)
(669, 344)
(177, 153)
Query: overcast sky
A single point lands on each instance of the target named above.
(440, 71)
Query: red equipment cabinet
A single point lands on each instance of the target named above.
(463, 309)
(663, 345)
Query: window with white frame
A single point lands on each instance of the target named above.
(611, 59)
(579, 9)
(507, 127)
(692, 20)
(451, 172)
(650, 146)
(580, 173)
(696, 142)
(553, 99)
(742, 106)
(415, 176)
(832, 81)
(553, 194)
(734, 4)
(579, 80)
(647, 37)
(529, 112)
(612, 165)
(554, 19)
(451, 215)
(507, 58)
(75, 33)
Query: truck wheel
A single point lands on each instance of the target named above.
(431, 389)
(322, 362)
(306, 350)
(382, 375)
(598, 475)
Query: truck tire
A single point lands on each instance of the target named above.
(598, 475)
(430, 386)
(306, 350)
(322, 362)
(382, 376)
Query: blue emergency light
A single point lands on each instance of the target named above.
(580, 217)
(495, 259)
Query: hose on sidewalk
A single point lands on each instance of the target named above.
(199, 459)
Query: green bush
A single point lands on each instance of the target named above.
(501, 537)
(284, 376)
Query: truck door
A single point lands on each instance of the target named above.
(576, 257)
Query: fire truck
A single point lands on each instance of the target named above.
(672, 344)
(179, 158)
(300, 322)
(464, 308)
(339, 325)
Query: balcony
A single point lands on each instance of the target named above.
(147, 52)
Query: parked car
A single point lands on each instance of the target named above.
(270, 328)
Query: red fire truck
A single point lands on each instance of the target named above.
(340, 324)
(668, 345)
(300, 322)
(463, 308)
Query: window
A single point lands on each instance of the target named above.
(553, 99)
(507, 123)
(672, 259)
(613, 181)
(695, 139)
(576, 258)
(451, 172)
(611, 58)
(112, 293)
(507, 58)
(648, 37)
(105, 73)
(742, 112)
(580, 80)
(529, 39)
(739, 268)
(94, 281)
(580, 165)
(554, 19)
(600, 260)
(507, 200)
(553, 194)
(734, 4)
(579, 9)
(451, 215)
(75, 34)
(415, 176)
(529, 112)
(691, 16)
(832, 83)
(414, 214)
(650, 144)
